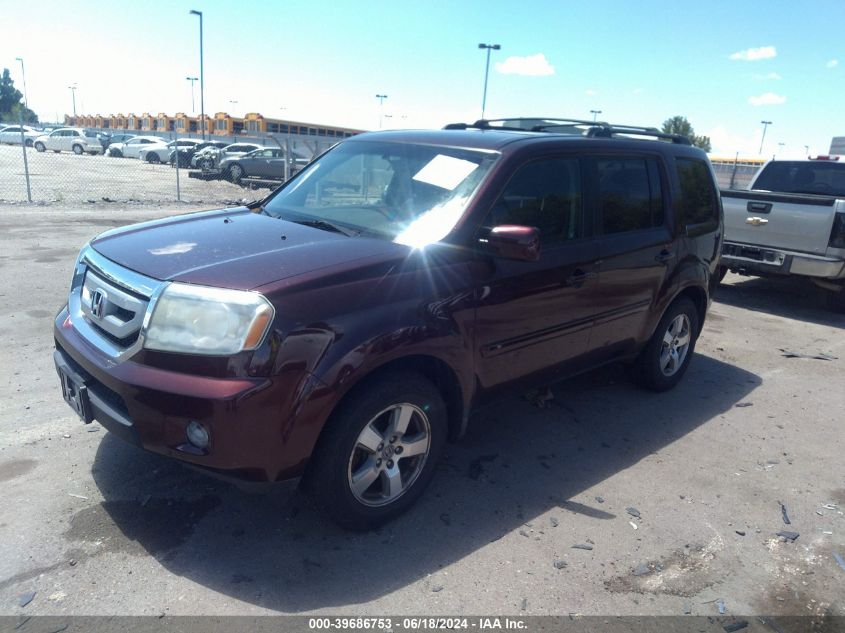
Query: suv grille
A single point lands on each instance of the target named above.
(114, 311)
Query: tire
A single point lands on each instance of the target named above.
(153, 158)
(836, 300)
(57, 151)
(367, 415)
(664, 361)
(235, 173)
(116, 153)
(77, 149)
(39, 147)
(28, 142)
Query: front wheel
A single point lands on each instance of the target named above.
(39, 147)
(380, 451)
(236, 173)
(153, 158)
(78, 150)
(663, 362)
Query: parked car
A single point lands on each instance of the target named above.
(11, 134)
(213, 157)
(160, 152)
(790, 221)
(119, 138)
(343, 328)
(267, 164)
(132, 147)
(187, 154)
(69, 139)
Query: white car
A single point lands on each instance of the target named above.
(12, 134)
(134, 146)
(213, 158)
(160, 153)
(70, 139)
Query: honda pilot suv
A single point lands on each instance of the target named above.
(340, 331)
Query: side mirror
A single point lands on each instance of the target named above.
(510, 241)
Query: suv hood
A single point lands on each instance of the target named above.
(233, 248)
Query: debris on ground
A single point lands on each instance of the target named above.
(554, 522)
(839, 560)
(633, 525)
(70, 494)
(687, 608)
(582, 546)
(523, 533)
(476, 467)
(25, 598)
(93, 429)
(784, 514)
(540, 398)
(600, 499)
(740, 405)
(817, 356)
(740, 532)
(720, 604)
(789, 536)
(437, 588)
(560, 564)
(633, 512)
(524, 604)
(735, 626)
(642, 569)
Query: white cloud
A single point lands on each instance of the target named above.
(833, 63)
(755, 54)
(529, 66)
(772, 75)
(590, 92)
(767, 98)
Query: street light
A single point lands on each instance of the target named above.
(23, 75)
(381, 99)
(488, 47)
(806, 150)
(202, 77)
(765, 125)
(73, 93)
(192, 80)
(595, 113)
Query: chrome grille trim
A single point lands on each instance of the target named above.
(125, 290)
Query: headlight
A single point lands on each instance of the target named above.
(202, 320)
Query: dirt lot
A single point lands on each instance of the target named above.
(65, 177)
(675, 496)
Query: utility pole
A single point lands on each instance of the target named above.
(595, 113)
(202, 78)
(73, 93)
(381, 99)
(765, 125)
(23, 75)
(489, 47)
(193, 105)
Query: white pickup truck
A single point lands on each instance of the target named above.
(790, 221)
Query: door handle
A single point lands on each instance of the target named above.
(664, 257)
(578, 277)
(759, 207)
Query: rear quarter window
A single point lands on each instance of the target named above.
(629, 194)
(698, 204)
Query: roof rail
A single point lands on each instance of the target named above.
(582, 127)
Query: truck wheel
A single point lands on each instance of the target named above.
(663, 362)
(39, 147)
(836, 299)
(77, 149)
(379, 451)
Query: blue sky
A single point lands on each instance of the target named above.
(324, 62)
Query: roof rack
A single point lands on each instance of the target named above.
(577, 127)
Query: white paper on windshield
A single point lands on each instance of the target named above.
(446, 172)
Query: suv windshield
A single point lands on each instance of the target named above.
(411, 194)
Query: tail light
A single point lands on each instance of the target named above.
(837, 234)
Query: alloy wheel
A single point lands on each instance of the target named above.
(675, 345)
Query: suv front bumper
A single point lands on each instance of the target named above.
(259, 427)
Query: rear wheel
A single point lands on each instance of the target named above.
(152, 157)
(665, 359)
(39, 147)
(380, 451)
(78, 150)
(236, 173)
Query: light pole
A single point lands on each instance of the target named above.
(192, 80)
(488, 47)
(806, 150)
(202, 77)
(765, 125)
(23, 76)
(381, 99)
(73, 93)
(595, 113)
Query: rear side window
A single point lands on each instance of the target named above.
(629, 194)
(824, 178)
(545, 194)
(698, 196)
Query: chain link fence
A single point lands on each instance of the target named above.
(78, 170)
(735, 174)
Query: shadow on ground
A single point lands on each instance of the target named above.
(516, 463)
(791, 298)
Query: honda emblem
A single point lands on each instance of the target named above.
(98, 303)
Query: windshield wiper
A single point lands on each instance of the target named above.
(317, 223)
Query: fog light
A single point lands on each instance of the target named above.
(197, 434)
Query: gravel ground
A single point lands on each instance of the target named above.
(68, 178)
(674, 498)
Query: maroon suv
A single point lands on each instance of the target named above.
(342, 329)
